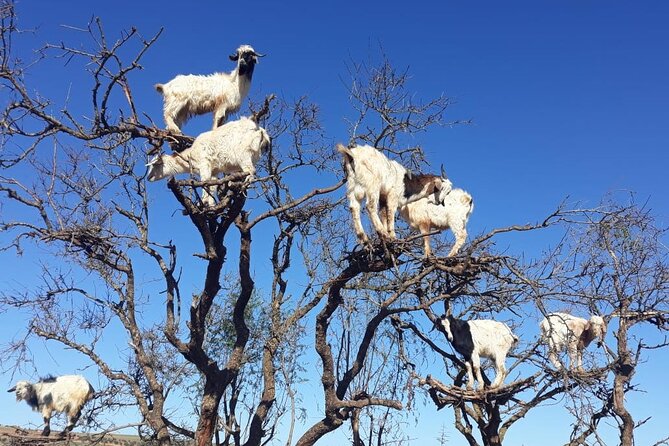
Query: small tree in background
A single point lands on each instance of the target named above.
(616, 263)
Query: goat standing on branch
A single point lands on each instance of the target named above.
(221, 93)
(562, 331)
(233, 147)
(66, 394)
(476, 339)
(385, 185)
(453, 212)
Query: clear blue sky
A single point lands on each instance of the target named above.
(567, 99)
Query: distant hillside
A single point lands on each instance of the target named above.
(16, 436)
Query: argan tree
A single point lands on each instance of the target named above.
(174, 288)
(75, 187)
(615, 263)
(73, 180)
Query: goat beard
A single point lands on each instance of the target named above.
(246, 68)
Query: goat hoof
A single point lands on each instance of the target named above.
(362, 239)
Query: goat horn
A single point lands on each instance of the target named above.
(443, 172)
(447, 307)
(13, 389)
(152, 162)
(259, 55)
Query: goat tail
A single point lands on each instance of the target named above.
(159, 88)
(467, 200)
(348, 155)
(341, 148)
(265, 141)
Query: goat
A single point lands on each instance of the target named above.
(452, 213)
(234, 147)
(66, 394)
(476, 339)
(386, 183)
(562, 331)
(221, 93)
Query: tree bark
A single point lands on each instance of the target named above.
(624, 369)
(206, 425)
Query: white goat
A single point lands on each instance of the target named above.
(234, 147)
(384, 183)
(562, 331)
(452, 213)
(476, 339)
(65, 394)
(221, 93)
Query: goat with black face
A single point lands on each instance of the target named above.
(221, 93)
(476, 339)
(247, 58)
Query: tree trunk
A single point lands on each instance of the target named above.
(256, 431)
(490, 432)
(492, 438)
(163, 436)
(155, 420)
(206, 425)
(316, 432)
(623, 374)
(355, 427)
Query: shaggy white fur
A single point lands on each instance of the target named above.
(453, 213)
(481, 338)
(221, 93)
(65, 394)
(371, 176)
(562, 331)
(233, 147)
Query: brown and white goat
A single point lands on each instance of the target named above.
(562, 331)
(385, 185)
(221, 93)
(453, 213)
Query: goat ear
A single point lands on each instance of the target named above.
(13, 389)
(234, 56)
